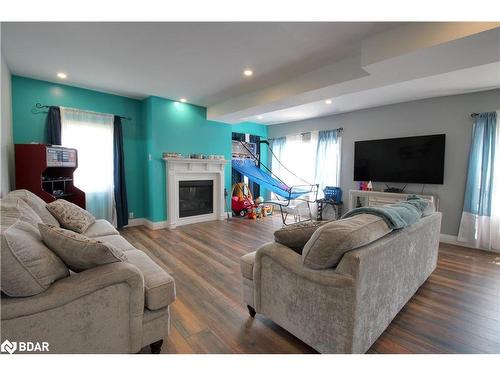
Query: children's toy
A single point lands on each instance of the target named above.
(252, 214)
(267, 210)
(242, 201)
(333, 193)
(246, 161)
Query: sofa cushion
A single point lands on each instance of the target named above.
(100, 228)
(246, 265)
(78, 251)
(159, 286)
(70, 216)
(329, 243)
(296, 235)
(28, 267)
(36, 203)
(117, 241)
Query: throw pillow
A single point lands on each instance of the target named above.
(329, 243)
(70, 216)
(78, 251)
(296, 235)
(28, 267)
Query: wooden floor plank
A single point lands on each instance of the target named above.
(457, 310)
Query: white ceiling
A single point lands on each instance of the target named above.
(297, 65)
(462, 81)
(200, 61)
(408, 62)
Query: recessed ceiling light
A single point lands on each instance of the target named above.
(248, 72)
(62, 75)
(260, 117)
(328, 101)
(183, 100)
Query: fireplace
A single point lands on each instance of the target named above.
(196, 197)
(185, 179)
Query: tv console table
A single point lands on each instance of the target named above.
(372, 198)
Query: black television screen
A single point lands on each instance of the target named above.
(408, 160)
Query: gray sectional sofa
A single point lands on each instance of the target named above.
(342, 309)
(115, 308)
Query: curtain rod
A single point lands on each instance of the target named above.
(340, 130)
(40, 106)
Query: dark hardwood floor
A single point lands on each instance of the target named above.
(456, 311)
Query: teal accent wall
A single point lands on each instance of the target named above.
(157, 125)
(179, 127)
(29, 127)
(250, 128)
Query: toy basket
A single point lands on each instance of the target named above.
(333, 193)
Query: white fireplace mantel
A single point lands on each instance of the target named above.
(188, 170)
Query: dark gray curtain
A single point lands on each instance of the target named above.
(54, 126)
(236, 176)
(254, 187)
(119, 174)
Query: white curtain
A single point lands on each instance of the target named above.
(328, 159)
(495, 200)
(298, 157)
(92, 135)
(278, 149)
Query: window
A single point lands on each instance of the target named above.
(309, 157)
(92, 135)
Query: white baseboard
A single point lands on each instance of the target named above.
(154, 225)
(135, 222)
(453, 240)
(448, 238)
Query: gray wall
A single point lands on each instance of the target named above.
(7, 148)
(449, 115)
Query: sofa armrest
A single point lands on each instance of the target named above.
(76, 286)
(95, 311)
(314, 305)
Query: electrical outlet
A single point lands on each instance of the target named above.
(149, 157)
(130, 215)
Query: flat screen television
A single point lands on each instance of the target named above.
(409, 160)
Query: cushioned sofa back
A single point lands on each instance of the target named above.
(36, 203)
(332, 240)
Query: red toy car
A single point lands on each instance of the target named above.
(241, 206)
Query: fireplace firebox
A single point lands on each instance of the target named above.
(196, 197)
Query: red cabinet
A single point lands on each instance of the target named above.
(47, 171)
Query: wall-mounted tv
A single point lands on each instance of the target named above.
(409, 160)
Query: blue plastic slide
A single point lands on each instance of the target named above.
(248, 168)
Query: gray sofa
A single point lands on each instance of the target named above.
(116, 308)
(346, 308)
